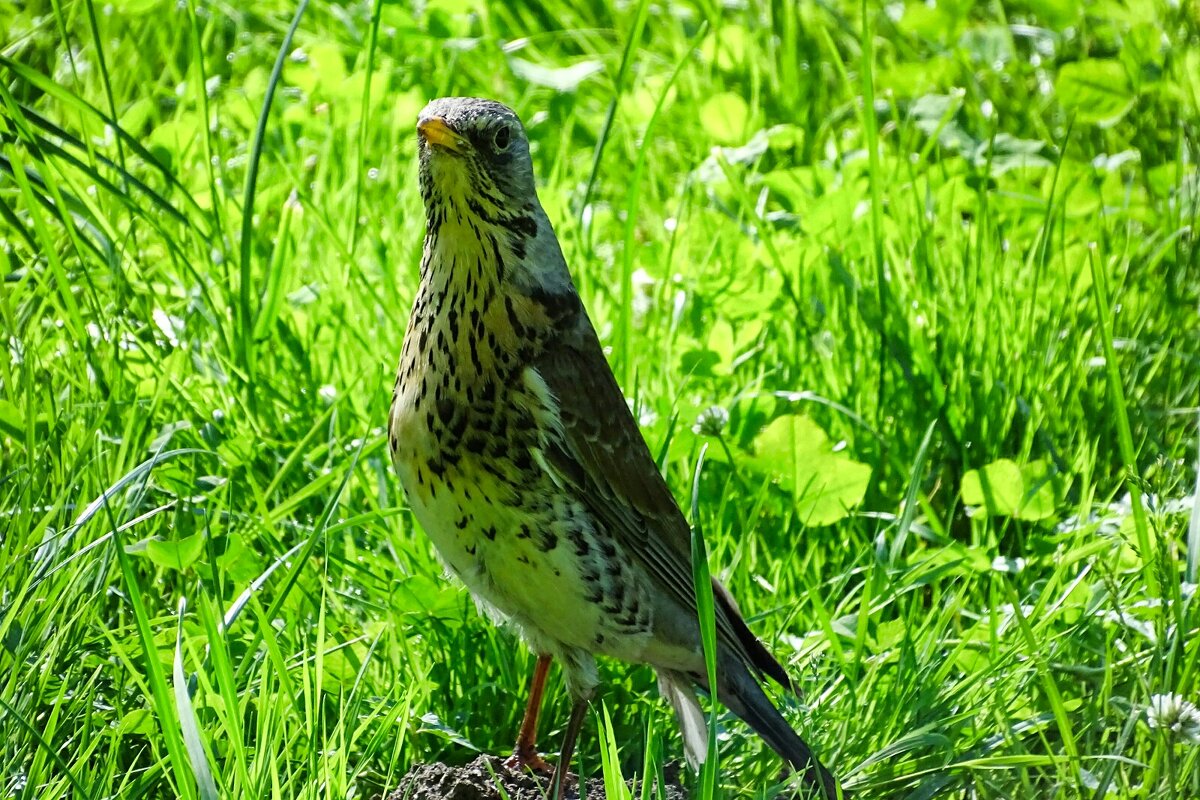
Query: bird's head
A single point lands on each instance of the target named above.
(477, 178)
(474, 153)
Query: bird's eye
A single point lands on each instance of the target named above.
(502, 138)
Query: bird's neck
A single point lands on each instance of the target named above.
(464, 265)
(465, 316)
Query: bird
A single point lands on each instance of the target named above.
(522, 462)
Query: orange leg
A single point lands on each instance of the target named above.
(525, 754)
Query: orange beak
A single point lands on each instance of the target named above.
(437, 132)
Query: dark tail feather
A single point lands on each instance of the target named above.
(755, 652)
(742, 695)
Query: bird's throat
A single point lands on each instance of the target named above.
(466, 316)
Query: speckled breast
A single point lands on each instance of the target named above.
(474, 477)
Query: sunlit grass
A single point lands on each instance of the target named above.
(999, 299)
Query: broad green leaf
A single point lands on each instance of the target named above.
(177, 554)
(726, 47)
(699, 363)
(792, 437)
(724, 116)
(936, 115)
(405, 106)
(355, 84)
(174, 136)
(974, 652)
(238, 561)
(833, 491)
(1143, 51)
(730, 344)
(428, 597)
(745, 295)
(12, 422)
(1058, 13)
(722, 342)
(825, 485)
(889, 634)
(1004, 488)
(643, 99)
(914, 78)
(137, 114)
(432, 724)
(341, 663)
(960, 556)
(1041, 491)
(997, 487)
(933, 21)
(1095, 90)
(802, 182)
(138, 721)
(1074, 605)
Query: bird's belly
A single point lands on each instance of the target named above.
(531, 554)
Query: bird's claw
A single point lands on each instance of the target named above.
(528, 759)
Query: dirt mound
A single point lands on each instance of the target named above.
(484, 778)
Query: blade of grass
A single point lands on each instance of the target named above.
(69, 99)
(702, 581)
(627, 58)
(160, 697)
(245, 332)
(215, 189)
(1192, 573)
(217, 658)
(1061, 717)
(314, 538)
(615, 787)
(364, 123)
(50, 751)
(190, 728)
(910, 498)
(652, 764)
(1116, 393)
(632, 197)
(875, 171)
(48, 244)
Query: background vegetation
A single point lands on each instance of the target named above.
(924, 277)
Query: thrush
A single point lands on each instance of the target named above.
(523, 464)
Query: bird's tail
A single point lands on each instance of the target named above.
(742, 695)
(677, 688)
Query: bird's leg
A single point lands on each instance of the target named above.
(563, 771)
(525, 754)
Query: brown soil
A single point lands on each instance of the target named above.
(484, 778)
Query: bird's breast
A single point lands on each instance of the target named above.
(471, 458)
(466, 420)
(471, 427)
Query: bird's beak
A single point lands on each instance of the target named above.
(437, 132)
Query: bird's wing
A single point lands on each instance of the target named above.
(603, 457)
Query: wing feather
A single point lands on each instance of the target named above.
(602, 454)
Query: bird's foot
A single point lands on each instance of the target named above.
(528, 758)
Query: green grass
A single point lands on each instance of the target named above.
(953, 328)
